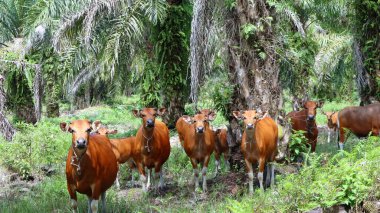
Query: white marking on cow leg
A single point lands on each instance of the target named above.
(204, 171)
(143, 182)
(260, 176)
(74, 205)
(250, 182)
(341, 146)
(117, 181)
(161, 183)
(103, 195)
(89, 204)
(217, 167)
(272, 176)
(328, 136)
(148, 184)
(94, 206)
(196, 181)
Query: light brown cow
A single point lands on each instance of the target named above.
(152, 147)
(221, 147)
(199, 144)
(360, 120)
(259, 144)
(332, 123)
(91, 165)
(123, 149)
(305, 120)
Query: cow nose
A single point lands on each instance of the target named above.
(200, 129)
(249, 126)
(150, 123)
(310, 117)
(81, 143)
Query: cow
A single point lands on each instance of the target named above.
(123, 149)
(332, 125)
(199, 144)
(182, 126)
(91, 165)
(221, 147)
(152, 146)
(360, 120)
(305, 120)
(259, 144)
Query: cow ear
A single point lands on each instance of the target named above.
(320, 104)
(211, 116)
(218, 131)
(114, 131)
(96, 125)
(136, 113)
(187, 119)
(161, 111)
(64, 126)
(237, 114)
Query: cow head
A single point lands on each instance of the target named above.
(250, 117)
(200, 121)
(311, 107)
(331, 122)
(80, 130)
(148, 115)
(105, 131)
(206, 112)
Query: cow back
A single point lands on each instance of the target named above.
(124, 148)
(221, 144)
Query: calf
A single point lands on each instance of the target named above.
(305, 120)
(152, 147)
(332, 118)
(360, 120)
(221, 147)
(91, 165)
(199, 144)
(123, 149)
(259, 144)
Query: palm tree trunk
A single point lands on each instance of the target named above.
(252, 65)
(6, 128)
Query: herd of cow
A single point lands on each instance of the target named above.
(92, 161)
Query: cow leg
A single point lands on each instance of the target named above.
(226, 156)
(272, 175)
(73, 196)
(260, 174)
(149, 183)
(103, 195)
(194, 163)
(159, 174)
(341, 138)
(268, 177)
(89, 204)
(117, 181)
(141, 169)
(95, 188)
(204, 172)
(250, 175)
(217, 163)
(94, 205)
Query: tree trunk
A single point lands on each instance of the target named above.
(6, 129)
(37, 92)
(252, 64)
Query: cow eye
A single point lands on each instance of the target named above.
(71, 130)
(88, 130)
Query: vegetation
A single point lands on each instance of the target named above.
(64, 60)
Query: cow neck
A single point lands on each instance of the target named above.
(78, 158)
(249, 137)
(148, 136)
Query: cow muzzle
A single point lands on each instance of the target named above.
(249, 126)
(200, 129)
(81, 143)
(310, 117)
(150, 123)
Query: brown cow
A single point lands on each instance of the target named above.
(221, 147)
(305, 120)
(199, 144)
(152, 147)
(123, 149)
(332, 123)
(360, 120)
(91, 166)
(259, 144)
